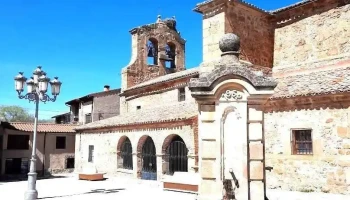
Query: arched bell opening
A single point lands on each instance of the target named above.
(152, 51)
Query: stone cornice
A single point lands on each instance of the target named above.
(142, 126)
(338, 101)
(156, 88)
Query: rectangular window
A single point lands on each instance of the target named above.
(302, 142)
(138, 107)
(70, 163)
(91, 153)
(88, 118)
(18, 142)
(182, 94)
(60, 142)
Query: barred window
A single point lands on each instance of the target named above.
(88, 118)
(182, 94)
(302, 142)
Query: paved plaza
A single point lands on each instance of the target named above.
(69, 188)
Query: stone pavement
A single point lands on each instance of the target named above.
(69, 188)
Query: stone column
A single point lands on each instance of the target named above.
(256, 157)
(209, 155)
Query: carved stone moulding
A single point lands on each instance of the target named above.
(231, 95)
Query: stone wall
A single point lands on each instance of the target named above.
(213, 30)
(106, 106)
(158, 99)
(328, 169)
(105, 147)
(321, 32)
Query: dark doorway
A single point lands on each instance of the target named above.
(149, 160)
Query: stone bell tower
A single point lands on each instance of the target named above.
(157, 50)
(230, 96)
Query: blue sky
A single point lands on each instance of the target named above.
(85, 42)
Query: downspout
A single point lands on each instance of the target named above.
(44, 155)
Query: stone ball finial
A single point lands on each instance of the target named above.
(229, 43)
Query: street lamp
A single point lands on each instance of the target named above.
(36, 91)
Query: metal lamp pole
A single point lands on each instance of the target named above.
(36, 91)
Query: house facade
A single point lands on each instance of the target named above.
(93, 107)
(55, 149)
(291, 65)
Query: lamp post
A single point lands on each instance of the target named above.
(36, 91)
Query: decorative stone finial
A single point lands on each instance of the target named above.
(229, 43)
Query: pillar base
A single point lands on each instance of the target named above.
(31, 195)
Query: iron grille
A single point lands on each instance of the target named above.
(177, 157)
(126, 155)
(149, 160)
(302, 142)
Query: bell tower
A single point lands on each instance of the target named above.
(157, 50)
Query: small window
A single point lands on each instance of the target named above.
(70, 163)
(182, 94)
(60, 142)
(18, 142)
(302, 142)
(88, 118)
(91, 153)
(138, 107)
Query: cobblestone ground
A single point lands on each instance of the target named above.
(69, 188)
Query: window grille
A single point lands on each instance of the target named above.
(182, 94)
(302, 142)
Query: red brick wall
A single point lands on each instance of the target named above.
(255, 31)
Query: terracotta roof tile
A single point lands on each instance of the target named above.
(167, 113)
(316, 83)
(42, 128)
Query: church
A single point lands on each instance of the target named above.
(267, 108)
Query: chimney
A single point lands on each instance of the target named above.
(106, 88)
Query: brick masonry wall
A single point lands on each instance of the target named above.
(139, 70)
(322, 33)
(328, 169)
(105, 147)
(255, 31)
(106, 106)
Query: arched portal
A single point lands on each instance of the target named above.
(124, 149)
(148, 160)
(175, 155)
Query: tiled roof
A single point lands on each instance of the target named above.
(42, 128)
(316, 83)
(95, 94)
(167, 113)
(168, 77)
(300, 3)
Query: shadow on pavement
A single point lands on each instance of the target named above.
(95, 191)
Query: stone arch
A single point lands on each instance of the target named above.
(120, 143)
(170, 50)
(174, 155)
(124, 153)
(145, 139)
(152, 51)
